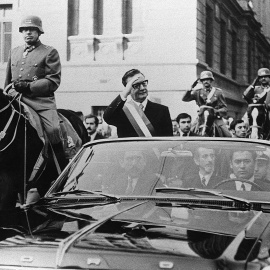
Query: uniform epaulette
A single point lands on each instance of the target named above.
(47, 47)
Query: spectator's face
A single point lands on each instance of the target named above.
(185, 124)
(133, 163)
(243, 165)
(30, 35)
(90, 125)
(205, 160)
(240, 130)
(264, 80)
(260, 170)
(139, 91)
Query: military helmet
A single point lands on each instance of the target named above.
(31, 21)
(263, 72)
(206, 75)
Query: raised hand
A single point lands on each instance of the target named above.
(195, 83)
(255, 81)
(129, 86)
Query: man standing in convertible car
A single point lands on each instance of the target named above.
(35, 71)
(136, 115)
(210, 96)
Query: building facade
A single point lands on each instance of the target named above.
(170, 41)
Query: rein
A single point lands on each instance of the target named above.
(3, 132)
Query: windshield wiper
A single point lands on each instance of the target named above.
(81, 192)
(202, 192)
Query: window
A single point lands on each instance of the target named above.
(98, 17)
(234, 55)
(250, 61)
(223, 45)
(209, 36)
(73, 21)
(126, 16)
(73, 17)
(5, 32)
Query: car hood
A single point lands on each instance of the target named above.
(97, 236)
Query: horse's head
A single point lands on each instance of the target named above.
(256, 118)
(206, 118)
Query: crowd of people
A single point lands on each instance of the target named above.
(34, 71)
(126, 115)
(132, 113)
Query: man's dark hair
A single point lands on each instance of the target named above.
(182, 116)
(196, 153)
(128, 74)
(92, 116)
(253, 153)
(236, 122)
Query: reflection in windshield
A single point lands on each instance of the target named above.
(138, 167)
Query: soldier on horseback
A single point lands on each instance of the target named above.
(209, 97)
(257, 97)
(257, 93)
(34, 69)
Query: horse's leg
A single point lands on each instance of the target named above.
(254, 127)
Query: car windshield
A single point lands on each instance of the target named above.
(140, 167)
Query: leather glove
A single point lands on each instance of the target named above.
(22, 86)
(255, 81)
(194, 84)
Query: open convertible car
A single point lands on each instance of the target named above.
(157, 203)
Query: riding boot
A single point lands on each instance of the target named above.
(60, 155)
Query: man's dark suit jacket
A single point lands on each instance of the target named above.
(157, 114)
(264, 185)
(194, 181)
(99, 137)
(143, 186)
(191, 134)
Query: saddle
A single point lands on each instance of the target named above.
(70, 139)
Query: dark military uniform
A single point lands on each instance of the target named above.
(256, 94)
(217, 101)
(41, 67)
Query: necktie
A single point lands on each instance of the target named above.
(204, 181)
(141, 109)
(184, 134)
(243, 187)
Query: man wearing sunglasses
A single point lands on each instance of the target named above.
(133, 114)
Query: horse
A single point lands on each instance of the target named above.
(205, 125)
(20, 150)
(209, 124)
(258, 121)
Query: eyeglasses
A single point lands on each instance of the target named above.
(138, 85)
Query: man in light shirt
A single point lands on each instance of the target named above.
(243, 166)
(239, 128)
(133, 114)
(136, 179)
(91, 124)
(184, 122)
(206, 176)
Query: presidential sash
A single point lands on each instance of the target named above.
(138, 120)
